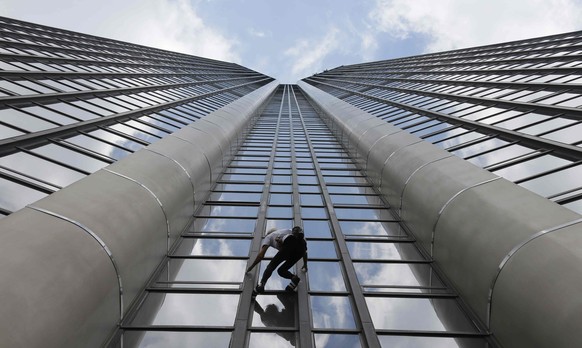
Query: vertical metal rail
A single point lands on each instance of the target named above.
(365, 319)
(243, 317)
(303, 297)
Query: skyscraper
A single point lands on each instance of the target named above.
(439, 194)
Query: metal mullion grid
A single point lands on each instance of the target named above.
(568, 112)
(433, 61)
(36, 184)
(554, 87)
(57, 162)
(8, 145)
(80, 63)
(103, 45)
(152, 289)
(409, 71)
(305, 323)
(410, 238)
(243, 316)
(563, 150)
(361, 314)
(483, 332)
(35, 76)
(111, 92)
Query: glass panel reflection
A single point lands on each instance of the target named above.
(229, 210)
(332, 312)
(325, 276)
(273, 340)
(337, 340)
(187, 309)
(223, 225)
(316, 229)
(532, 167)
(356, 199)
(15, 196)
(176, 339)
(431, 342)
(234, 197)
(321, 250)
(396, 274)
(418, 314)
(364, 214)
(39, 168)
(371, 228)
(384, 251)
(275, 310)
(556, 182)
(70, 157)
(203, 271)
(213, 247)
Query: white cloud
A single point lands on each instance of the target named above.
(257, 33)
(454, 24)
(168, 24)
(308, 55)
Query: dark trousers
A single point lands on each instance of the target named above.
(290, 253)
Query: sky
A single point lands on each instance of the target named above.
(290, 40)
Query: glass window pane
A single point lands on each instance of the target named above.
(234, 197)
(500, 155)
(280, 199)
(532, 167)
(117, 139)
(307, 199)
(239, 187)
(313, 213)
(356, 200)
(41, 169)
(98, 146)
(361, 190)
(15, 196)
(175, 339)
(70, 157)
(325, 276)
(332, 312)
(337, 340)
(213, 247)
(286, 339)
(135, 133)
(432, 342)
(275, 311)
(384, 251)
(24, 121)
(364, 214)
(321, 249)
(316, 229)
(7, 132)
(48, 114)
(417, 314)
(203, 271)
(185, 309)
(224, 225)
(372, 228)
(228, 210)
(479, 147)
(556, 182)
(396, 274)
(279, 212)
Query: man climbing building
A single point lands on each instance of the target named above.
(292, 247)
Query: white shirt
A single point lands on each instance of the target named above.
(276, 238)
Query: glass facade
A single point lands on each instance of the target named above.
(511, 108)
(368, 284)
(71, 104)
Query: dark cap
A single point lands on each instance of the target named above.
(297, 229)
